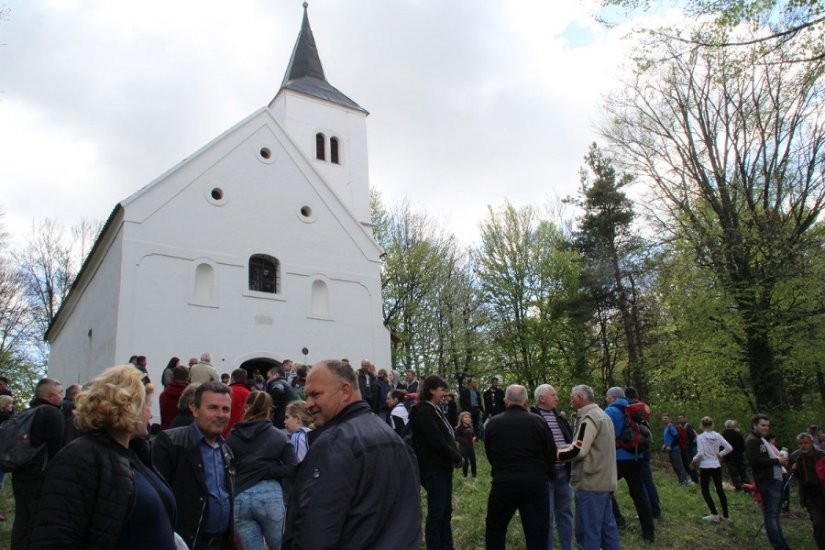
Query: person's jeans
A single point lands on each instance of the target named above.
(531, 499)
(259, 516)
(595, 525)
(687, 458)
(675, 456)
(771, 501)
(438, 531)
(560, 498)
(650, 490)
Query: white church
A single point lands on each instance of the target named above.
(256, 248)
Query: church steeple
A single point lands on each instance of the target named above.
(305, 74)
(305, 61)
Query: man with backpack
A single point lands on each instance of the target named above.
(642, 410)
(45, 430)
(632, 441)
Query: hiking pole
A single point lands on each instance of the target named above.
(785, 485)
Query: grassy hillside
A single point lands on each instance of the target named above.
(681, 526)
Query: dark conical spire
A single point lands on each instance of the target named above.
(305, 61)
(305, 73)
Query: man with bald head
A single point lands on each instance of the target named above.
(357, 487)
(561, 495)
(47, 430)
(522, 454)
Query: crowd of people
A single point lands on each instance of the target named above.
(332, 456)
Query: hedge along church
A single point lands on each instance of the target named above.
(256, 248)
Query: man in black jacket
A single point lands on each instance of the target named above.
(197, 464)
(811, 489)
(767, 474)
(735, 460)
(522, 454)
(470, 400)
(47, 427)
(411, 382)
(281, 392)
(357, 486)
(493, 399)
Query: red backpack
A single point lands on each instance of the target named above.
(683, 437)
(635, 435)
(820, 470)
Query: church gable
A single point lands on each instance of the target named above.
(251, 187)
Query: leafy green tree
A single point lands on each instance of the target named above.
(430, 301)
(517, 265)
(461, 320)
(734, 154)
(606, 240)
(16, 328)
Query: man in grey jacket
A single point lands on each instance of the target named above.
(357, 487)
(593, 454)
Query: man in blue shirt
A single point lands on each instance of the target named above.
(670, 436)
(198, 466)
(629, 463)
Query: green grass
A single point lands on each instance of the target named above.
(6, 508)
(681, 526)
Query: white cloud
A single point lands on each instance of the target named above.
(46, 171)
(471, 103)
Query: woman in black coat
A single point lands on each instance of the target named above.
(100, 491)
(437, 455)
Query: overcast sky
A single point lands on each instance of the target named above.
(471, 103)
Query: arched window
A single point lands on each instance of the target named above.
(204, 282)
(320, 146)
(333, 150)
(320, 298)
(264, 274)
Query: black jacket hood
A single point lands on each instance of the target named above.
(247, 431)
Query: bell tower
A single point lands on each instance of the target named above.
(327, 126)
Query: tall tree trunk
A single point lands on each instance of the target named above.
(641, 384)
(820, 381)
(763, 367)
(634, 374)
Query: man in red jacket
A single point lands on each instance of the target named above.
(237, 383)
(168, 399)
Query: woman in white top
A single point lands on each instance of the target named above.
(710, 447)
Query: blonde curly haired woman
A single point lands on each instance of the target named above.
(101, 491)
